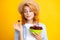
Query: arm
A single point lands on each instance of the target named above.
(18, 32)
(44, 33)
(18, 35)
(21, 35)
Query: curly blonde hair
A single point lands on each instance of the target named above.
(33, 8)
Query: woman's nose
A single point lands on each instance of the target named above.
(28, 12)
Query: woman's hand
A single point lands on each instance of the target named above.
(37, 36)
(18, 27)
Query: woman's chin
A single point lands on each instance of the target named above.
(28, 19)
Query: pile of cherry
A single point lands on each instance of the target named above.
(36, 27)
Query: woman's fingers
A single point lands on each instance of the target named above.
(36, 35)
(33, 34)
(17, 26)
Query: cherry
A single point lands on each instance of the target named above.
(36, 27)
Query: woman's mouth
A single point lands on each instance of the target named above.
(28, 16)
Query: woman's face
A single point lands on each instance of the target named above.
(28, 13)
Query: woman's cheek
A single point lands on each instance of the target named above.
(25, 15)
(32, 15)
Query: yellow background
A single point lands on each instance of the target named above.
(49, 15)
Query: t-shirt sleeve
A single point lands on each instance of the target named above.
(44, 33)
(16, 35)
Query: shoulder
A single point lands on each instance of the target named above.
(42, 25)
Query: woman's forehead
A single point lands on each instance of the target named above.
(27, 8)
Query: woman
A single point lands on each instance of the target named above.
(29, 15)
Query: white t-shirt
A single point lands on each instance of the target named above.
(29, 36)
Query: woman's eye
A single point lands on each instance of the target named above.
(30, 10)
(25, 11)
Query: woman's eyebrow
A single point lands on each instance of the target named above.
(25, 9)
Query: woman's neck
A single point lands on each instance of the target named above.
(29, 21)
